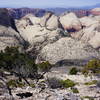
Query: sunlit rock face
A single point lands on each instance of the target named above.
(8, 31)
(91, 31)
(39, 32)
(49, 32)
(88, 21)
(67, 49)
(70, 22)
(95, 11)
(52, 23)
(35, 29)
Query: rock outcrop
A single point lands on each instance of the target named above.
(45, 18)
(70, 22)
(39, 30)
(67, 49)
(90, 34)
(8, 37)
(95, 11)
(88, 21)
(8, 31)
(46, 34)
(52, 23)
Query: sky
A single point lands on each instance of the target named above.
(47, 3)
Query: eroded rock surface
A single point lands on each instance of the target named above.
(67, 49)
(8, 32)
(70, 22)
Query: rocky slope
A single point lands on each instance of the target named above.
(45, 35)
(47, 93)
(67, 49)
(9, 35)
(64, 40)
(39, 30)
(42, 33)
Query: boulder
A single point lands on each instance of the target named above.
(89, 35)
(97, 18)
(95, 41)
(70, 22)
(27, 20)
(8, 37)
(88, 21)
(52, 23)
(67, 49)
(32, 19)
(45, 18)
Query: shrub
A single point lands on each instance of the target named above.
(67, 83)
(15, 83)
(74, 90)
(58, 83)
(88, 97)
(20, 84)
(12, 83)
(91, 82)
(93, 66)
(73, 71)
(32, 85)
(44, 66)
(54, 83)
(15, 61)
(85, 71)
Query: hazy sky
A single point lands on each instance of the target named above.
(47, 3)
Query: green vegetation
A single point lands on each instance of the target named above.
(16, 62)
(12, 83)
(58, 83)
(74, 90)
(20, 84)
(44, 66)
(15, 83)
(73, 71)
(91, 82)
(67, 83)
(22, 65)
(32, 85)
(92, 66)
(87, 97)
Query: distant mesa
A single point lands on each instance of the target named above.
(18, 13)
(95, 11)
